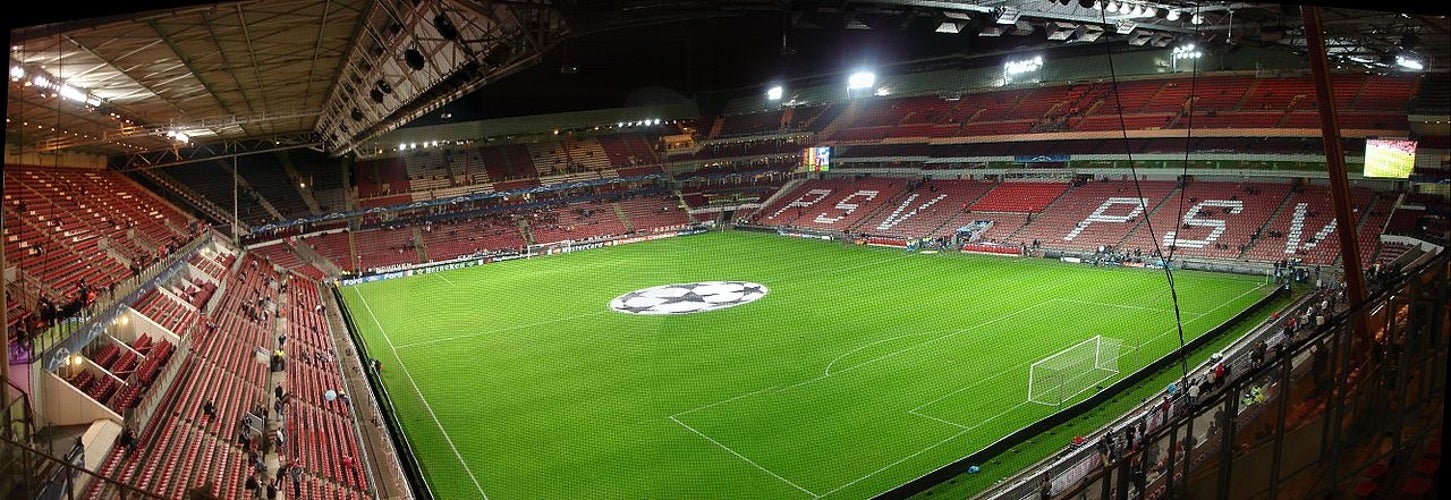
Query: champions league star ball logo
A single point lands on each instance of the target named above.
(685, 298)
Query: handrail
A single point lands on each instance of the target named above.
(93, 320)
(123, 490)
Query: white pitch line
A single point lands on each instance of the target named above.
(499, 330)
(446, 280)
(723, 401)
(743, 457)
(853, 351)
(950, 333)
(965, 430)
(418, 391)
(954, 424)
(1123, 306)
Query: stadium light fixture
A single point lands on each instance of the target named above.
(72, 93)
(1173, 15)
(1409, 63)
(775, 93)
(1011, 68)
(1112, 6)
(861, 80)
(1196, 19)
(17, 73)
(1097, 5)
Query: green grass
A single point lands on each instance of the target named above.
(862, 369)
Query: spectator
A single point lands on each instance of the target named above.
(127, 440)
(209, 409)
(294, 471)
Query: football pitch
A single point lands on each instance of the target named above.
(858, 370)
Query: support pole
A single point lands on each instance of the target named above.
(1335, 163)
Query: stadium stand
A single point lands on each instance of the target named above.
(653, 211)
(266, 174)
(760, 122)
(1244, 208)
(1301, 226)
(385, 247)
(627, 150)
(82, 229)
(190, 450)
(925, 210)
(574, 221)
(1020, 197)
(453, 238)
(834, 204)
(1093, 214)
(336, 247)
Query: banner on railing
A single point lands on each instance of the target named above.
(451, 201)
(406, 270)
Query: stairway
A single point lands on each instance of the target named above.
(624, 218)
(418, 245)
(297, 183)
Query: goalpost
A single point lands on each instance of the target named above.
(1067, 373)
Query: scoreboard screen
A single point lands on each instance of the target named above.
(817, 159)
(1389, 158)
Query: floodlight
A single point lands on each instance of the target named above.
(1007, 15)
(1409, 63)
(657, 121)
(1137, 11)
(1112, 6)
(1173, 15)
(1097, 5)
(774, 93)
(1060, 30)
(17, 73)
(1196, 19)
(72, 93)
(1150, 12)
(861, 80)
(413, 58)
(1089, 33)
(949, 27)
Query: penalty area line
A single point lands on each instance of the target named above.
(743, 457)
(419, 392)
(956, 435)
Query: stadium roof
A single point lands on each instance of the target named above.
(335, 73)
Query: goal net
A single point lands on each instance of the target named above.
(1067, 373)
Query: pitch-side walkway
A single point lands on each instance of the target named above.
(382, 460)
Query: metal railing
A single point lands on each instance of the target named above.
(1302, 423)
(69, 335)
(32, 472)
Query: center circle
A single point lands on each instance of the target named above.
(686, 298)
